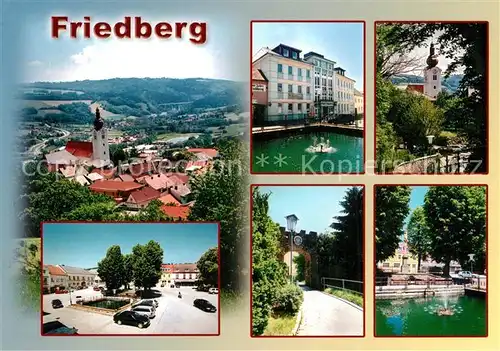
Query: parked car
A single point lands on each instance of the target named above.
(79, 298)
(145, 310)
(204, 305)
(57, 328)
(61, 291)
(57, 303)
(145, 303)
(156, 303)
(96, 288)
(213, 291)
(465, 274)
(131, 318)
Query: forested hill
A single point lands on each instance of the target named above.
(450, 84)
(148, 93)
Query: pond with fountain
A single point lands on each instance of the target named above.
(308, 152)
(436, 316)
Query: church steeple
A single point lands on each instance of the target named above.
(432, 60)
(98, 121)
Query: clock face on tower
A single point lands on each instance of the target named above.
(434, 71)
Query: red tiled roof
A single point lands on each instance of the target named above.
(210, 152)
(143, 195)
(169, 199)
(55, 270)
(111, 185)
(80, 148)
(126, 177)
(181, 212)
(141, 168)
(419, 88)
(257, 74)
(106, 173)
(179, 178)
(158, 181)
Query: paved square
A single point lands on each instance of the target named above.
(173, 315)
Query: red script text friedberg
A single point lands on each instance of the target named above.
(130, 27)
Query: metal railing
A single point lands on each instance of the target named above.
(428, 281)
(477, 283)
(354, 286)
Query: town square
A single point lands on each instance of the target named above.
(131, 291)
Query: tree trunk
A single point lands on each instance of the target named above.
(446, 268)
(419, 262)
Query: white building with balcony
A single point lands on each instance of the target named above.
(324, 83)
(345, 93)
(290, 86)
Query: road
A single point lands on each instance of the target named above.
(37, 148)
(324, 315)
(173, 315)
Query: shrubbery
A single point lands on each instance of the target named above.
(289, 299)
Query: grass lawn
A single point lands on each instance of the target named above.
(280, 324)
(346, 295)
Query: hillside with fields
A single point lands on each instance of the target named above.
(134, 96)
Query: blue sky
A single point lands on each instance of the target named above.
(315, 206)
(416, 198)
(340, 42)
(83, 245)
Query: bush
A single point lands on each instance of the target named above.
(289, 299)
(445, 139)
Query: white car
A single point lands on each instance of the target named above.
(145, 310)
(213, 291)
(155, 301)
(465, 274)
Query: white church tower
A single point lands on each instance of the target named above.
(100, 145)
(432, 76)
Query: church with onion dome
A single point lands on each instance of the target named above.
(432, 78)
(78, 155)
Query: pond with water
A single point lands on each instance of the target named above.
(308, 152)
(421, 317)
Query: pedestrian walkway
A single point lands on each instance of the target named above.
(324, 315)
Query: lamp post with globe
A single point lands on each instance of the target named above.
(291, 223)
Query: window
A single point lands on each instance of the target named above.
(308, 106)
(385, 264)
(299, 72)
(280, 87)
(434, 87)
(290, 108)
(299, 89)
(434, 77)
(285, 52)
(299, 107)
(294, 55)
(290, 88)
(290, 70)
(316, 80)
(308, 90)
(399, 257)
(308, 73)
(396, 265)
(95, 136)
(280, 108)
(280, 68)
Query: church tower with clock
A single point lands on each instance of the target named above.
(100, 145)
(432, 75)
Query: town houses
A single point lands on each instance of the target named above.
(287, 86)
(132, 185)
(184, 274)
(62, 277)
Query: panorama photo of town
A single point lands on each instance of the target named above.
(130, 278)
(120, 142)
(307, 97)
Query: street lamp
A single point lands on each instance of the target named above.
(471, 260)
(291, 222)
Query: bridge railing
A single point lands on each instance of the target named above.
(427, 281)
(354, 286)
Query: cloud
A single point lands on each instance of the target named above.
(126, 58)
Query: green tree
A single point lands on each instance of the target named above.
(208, 265)
(94, 212)
(418, 235)
(128, 270)
(147, 260)
(348, 235)
(456, 217)
(391, 209)
(300, 267)
(111, 268)
(221, 195)
(27, 257)
(269, 274)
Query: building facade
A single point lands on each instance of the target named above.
(290, 83)
(166, 273)
(78, 277)
(323, 83)
(260, 97)
(57, 278)
(402, 261)
(359, 102)
(345, 93)
(185, 273)
(432, 75)
(100, 144)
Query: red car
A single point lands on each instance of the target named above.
(61, 291)
(96, 288)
